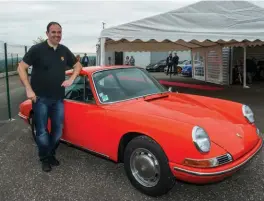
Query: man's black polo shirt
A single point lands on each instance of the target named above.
(48, 72)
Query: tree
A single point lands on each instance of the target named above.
(39, 40)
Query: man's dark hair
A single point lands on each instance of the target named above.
(52, 23)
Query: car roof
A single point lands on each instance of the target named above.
(91, 69)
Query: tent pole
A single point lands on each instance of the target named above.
(192, 63)
(245, 68)
(231, 61)
(102, 48)
(97, 54)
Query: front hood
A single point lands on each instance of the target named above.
(222, 124)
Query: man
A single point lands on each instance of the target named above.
(251, 69)
(175, 63)
(132, 61)
(169, 63)
(47, 89)
(85, 60)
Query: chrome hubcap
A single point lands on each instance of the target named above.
(145, 167)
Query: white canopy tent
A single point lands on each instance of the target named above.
(206, 24)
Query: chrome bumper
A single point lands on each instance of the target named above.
(220, 172)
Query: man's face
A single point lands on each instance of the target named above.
(54, 34)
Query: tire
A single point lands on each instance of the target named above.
(163, 180)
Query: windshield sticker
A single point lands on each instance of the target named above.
(101, 94)
(105, 98)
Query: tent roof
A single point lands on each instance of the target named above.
(206, 23)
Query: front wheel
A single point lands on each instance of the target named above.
(147, 167)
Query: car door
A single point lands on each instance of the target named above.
(83, 117)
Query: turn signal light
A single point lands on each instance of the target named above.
(207, 163)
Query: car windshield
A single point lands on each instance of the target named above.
(115, 85)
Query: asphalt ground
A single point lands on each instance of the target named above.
(82, 176)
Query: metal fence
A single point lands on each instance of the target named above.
(10, 89)
(14, 54)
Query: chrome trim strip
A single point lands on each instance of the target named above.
(84, 148)
(221, 172)
(108, 103)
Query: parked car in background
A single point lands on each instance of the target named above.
(187, 70)
(157, 67)
(179, 67)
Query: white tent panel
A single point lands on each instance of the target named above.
(199, 28)
(203, 24)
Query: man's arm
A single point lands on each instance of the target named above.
(27, 61)
(22, 72)
(77, 67)
(76, 70)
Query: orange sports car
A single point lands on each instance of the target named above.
(124, 114)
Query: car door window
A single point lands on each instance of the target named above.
(76, 90)
(80, 90)
(88, 96)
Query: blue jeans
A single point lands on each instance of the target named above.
(43, 109)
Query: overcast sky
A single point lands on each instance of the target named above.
(21, 22)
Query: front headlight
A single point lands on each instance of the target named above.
(248, 113)
(201, 139)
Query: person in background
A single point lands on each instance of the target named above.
(85, 60)
(127, 60)
(251, 69)
(132, 61)
(47, 90)
(109, 61)
(175, 63)
(169, 63)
